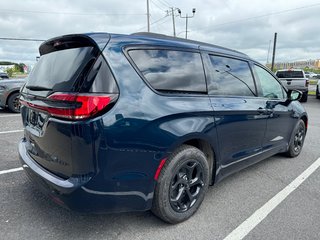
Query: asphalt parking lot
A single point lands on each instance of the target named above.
(26, 214)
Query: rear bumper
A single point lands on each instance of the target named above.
(82, 195)
(35, 170)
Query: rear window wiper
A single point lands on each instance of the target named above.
(38, 88)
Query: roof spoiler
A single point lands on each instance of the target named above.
(99, 40)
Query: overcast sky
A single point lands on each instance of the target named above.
(247, 26)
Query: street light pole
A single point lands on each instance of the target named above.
(187, 26)
(186, 17)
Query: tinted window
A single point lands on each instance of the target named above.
(59, 70)
(230, 77)
(168, 70)
(290, 74)
(270, 87)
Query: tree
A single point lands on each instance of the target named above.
(10, 71)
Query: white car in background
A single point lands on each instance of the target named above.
(312, 74)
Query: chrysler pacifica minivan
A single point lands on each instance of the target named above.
(145, 121)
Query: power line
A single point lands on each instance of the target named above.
(22, 39)
(68, 13)
(155, 4)
(152, 23)
(167, 20)
(164, 3)
(260, 16)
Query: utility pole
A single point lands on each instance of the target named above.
(186, 17)
(274, 50)
(173, 22)
(171, 12)
(148, 16)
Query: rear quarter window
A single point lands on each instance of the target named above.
(171, 70)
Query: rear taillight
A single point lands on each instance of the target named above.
(74, 106)
(307, 83)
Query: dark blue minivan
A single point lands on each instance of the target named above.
(145, 121)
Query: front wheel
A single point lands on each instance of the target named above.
(297, 139)
(304, 97)
(317, 93)
(182, 185)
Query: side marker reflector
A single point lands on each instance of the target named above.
(161, 164)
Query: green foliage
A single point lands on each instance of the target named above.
(10, 71)
(6, 63)
(307, 69)
(17, 68)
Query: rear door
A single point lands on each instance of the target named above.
(239, 114)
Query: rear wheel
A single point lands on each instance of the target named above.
(182, 185)
(297, 139)
(317, 93)
(13, 103)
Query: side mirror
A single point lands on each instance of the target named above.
(294, 95)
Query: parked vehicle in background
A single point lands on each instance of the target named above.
(295, 79)
(3, 75)
(9, 94)
(146, 121)
(318, 90)
(307, 74)
(312, 75)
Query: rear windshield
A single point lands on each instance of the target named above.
(290, 74)
(59, 70)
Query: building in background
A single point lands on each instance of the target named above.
(315, 64)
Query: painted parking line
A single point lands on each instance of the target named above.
(11, 170)
(12, 131)
(251, 222)
(10, 115)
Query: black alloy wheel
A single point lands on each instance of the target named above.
(297, 139)
(182, 184)
(186, 186)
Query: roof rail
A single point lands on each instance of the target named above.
(166, 37)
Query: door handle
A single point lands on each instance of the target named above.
(265, 111)
(262, 110)
(269, 111)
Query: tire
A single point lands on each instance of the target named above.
(181, 185)
(297, 139)
(317, 93)
(304, 97)
(13, 103)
